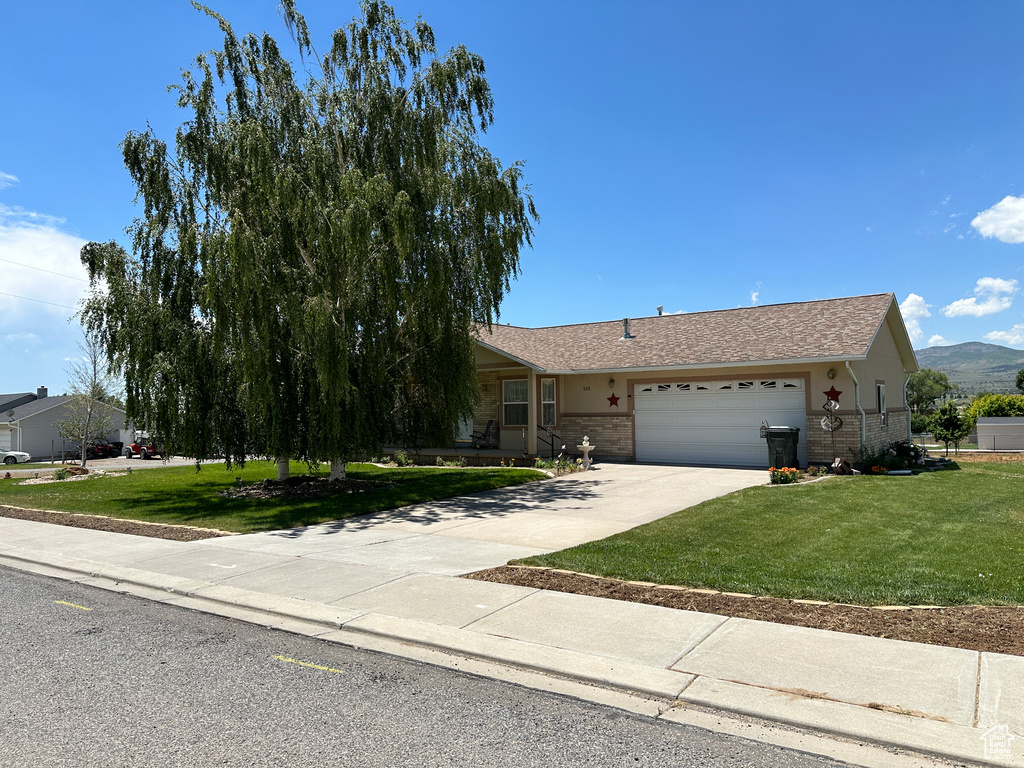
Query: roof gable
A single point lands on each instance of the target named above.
(830, 329)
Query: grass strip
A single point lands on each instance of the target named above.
(182, 496)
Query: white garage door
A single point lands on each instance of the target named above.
(716, 422)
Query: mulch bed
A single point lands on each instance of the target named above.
(113, 524)
(976, 628)
(302, 485)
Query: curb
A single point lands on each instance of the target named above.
(678, 690)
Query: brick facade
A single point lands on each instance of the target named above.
(611, 436)
(819, 442)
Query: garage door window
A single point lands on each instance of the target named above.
(515, 394)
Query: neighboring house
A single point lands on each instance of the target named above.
(26, 424)
(1000, 433)
(695, 388)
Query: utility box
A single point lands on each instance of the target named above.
(782, 447)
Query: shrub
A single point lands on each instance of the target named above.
(459, 462)
(783, 476)
(61, 474)
(402, 459)
(901, 454)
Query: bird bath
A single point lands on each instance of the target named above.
(586, 448)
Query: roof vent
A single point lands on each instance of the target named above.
(625, 329)
(661, 310)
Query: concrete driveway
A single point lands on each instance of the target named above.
(468, 533)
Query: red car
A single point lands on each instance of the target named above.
(144, 448)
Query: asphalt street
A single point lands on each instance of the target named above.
(94, 678)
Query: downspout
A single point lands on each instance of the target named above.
(863, 416)
(910, 432)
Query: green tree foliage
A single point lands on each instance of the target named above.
(1019, 381)
(315, 248)
(925, 387)
(994, 405)
(948, 426)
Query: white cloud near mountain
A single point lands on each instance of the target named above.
(1013, 337)
(991, 295)
(914, 310)
(939, 341)
(1004, 221)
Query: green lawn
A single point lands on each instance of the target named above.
(179, 495)
(943, 538)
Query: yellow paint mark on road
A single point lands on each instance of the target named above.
(311, 666)
(72, 605)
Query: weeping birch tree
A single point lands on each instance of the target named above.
(314, 246)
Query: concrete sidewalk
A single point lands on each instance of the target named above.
(390, 577)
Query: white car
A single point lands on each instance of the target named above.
(14, 457)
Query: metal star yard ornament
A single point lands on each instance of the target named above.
(833, 394)
(613, 400)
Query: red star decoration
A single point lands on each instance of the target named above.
(613, 400)
(833, 394)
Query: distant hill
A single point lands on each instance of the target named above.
(975, 366)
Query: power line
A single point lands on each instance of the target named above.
(49, 272)
(26, 298)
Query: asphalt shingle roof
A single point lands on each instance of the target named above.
(11, 397)
(828, 329)
(30, 409)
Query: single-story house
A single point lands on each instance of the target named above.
(26, 423)
(696, 388)
(1001, 433)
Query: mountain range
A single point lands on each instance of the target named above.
(975, 366)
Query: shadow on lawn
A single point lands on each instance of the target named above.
(202, 505)
(481, 505)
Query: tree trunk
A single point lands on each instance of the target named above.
(82, 458)
(337, 469)
(283, 472)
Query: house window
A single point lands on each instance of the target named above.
(547, 402)
(515, 402)
(880, 402)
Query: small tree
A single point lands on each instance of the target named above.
(925, 387)
(948, 426)
(1019, 381)
(88, 413)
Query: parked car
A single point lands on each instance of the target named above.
(14, 457)
(103, 449)
(144, 448)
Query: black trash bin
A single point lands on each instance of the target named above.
(782, 444)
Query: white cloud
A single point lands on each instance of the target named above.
(1014, 337)
(753, 297)
(869, 229)
(41, 265)
(7, 180)
(995, 294)
(1004, 221)
(18, 215)
(938, 341)
(914, 310)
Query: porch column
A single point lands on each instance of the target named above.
(531, 421)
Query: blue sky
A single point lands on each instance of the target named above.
(692, 155)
